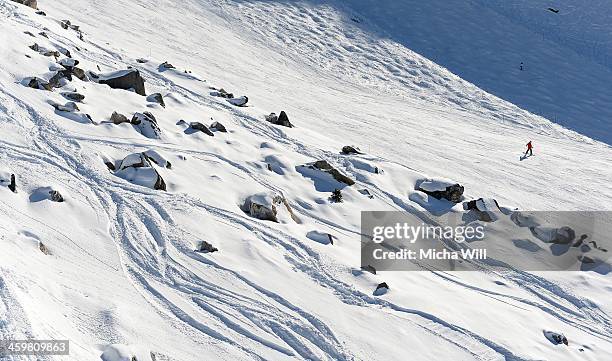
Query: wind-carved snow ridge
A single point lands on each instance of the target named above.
(118, 269)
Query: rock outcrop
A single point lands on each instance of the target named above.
(31, 3)
(140, 168)
(268, 207)
(201, 127)
(281, 119)
(147, 125)
(123, 79)
(157, 98)
(218, 127)
(441, 189)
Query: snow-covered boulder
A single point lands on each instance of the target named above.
(556, 338)
(46, 194)
(222, 93)
(122, 79)
(239, 102)
(561, 235)
(69, 107)
(268, 207)
(147, 125)
(317, 169)
(40, 84)
(120, 352)
(205, 247)
(73, 96)
(140, 168)
(441, 188)
(486, 208)
(320, 237)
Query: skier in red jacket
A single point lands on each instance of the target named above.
(529, 149)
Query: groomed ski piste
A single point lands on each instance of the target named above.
(424, 89)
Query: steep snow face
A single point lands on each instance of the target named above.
(553, 64)
(120, 277)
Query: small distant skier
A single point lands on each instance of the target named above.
(521, 67)
(529, 149)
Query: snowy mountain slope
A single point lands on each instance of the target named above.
(122, 267)
(565, 55)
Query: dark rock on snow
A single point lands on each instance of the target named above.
(381, 289)
(369, 268)
(486, 208)
(266, 206)
(206, 247)
(166, 65)
(56, 196)
(31, 3)
(324, 166)
(13, 185)
(281, 119)
(201, 127)
(350, 149)
(118, 118)
(124, 79)
(43, 249)
(222, 93)
(75, 97)
(441, 189)
(38, 83)
(40, 12)
(218, 127)
(156, 98)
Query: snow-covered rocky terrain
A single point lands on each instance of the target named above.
(189, 225)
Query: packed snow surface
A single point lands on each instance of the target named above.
(426, 89)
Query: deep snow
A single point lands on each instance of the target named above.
(122, 277)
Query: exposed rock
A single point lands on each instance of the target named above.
(40, 12)
(79, 73)
(44, 51)
(369, 268)
(156, 98)
(486, 208)
(56, 196)
(69, 63)
(320, 237)
(218, 127)
(381, 289)
(166, 65)
(562, 235)
(201, 127)
(147, 124)
(142, 60)
(75, 97)
(110, 165)
(43, 248)
(268, 207)
(441, 188)
(239, 102)
(118, 118)
(282, 119)
(123, 79)
(65, 24)
(324, 166)
(31, 3)
(68, 107)
(206, 247)
(139, 168)
(13, 185)
(38, 83)
(556, 338)
(222, 93)
(350, 149)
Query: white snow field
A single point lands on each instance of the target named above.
(425, 89)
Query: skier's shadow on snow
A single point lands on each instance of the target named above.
(525, 156)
